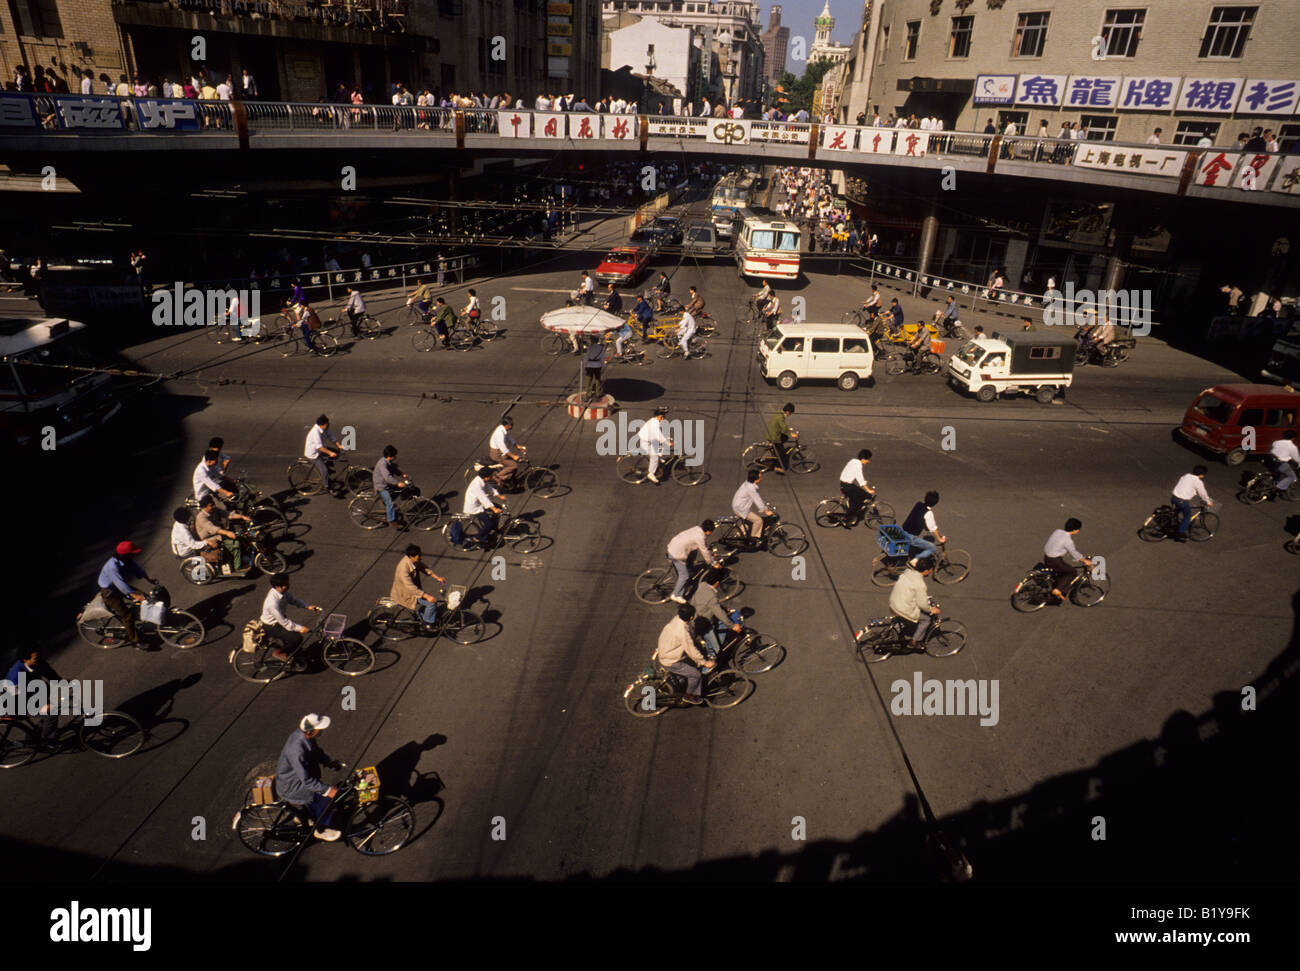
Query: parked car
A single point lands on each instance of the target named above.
(792, 352)
(1217, 420)
(661, 231)
(1030, 363)
(623, 266)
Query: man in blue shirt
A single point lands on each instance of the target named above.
(897, 313)
(116, 591)
(297, 775)
(644, 314)
(32, 668)
(921, 520)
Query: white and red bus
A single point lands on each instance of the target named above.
(767, 248)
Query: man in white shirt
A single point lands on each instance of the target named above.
(543, 103)
(207, 477)
(706, 109)
(355, 309)
(88, 84)
(854, 486)
(1204, 142)
(683, 547)
(1189, 486)
(586, 289)
(1154, 139)
(675, 645)
(224, 89)
(654, 441)
(750, 506)
(185, 543)
(504, 450)
(321, 446)
(685, 331)
(276, 622)
(1285, 451)
(484, 503)
(1058, 546)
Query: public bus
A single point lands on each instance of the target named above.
(767, 248)
(734, 192)
(46, 398)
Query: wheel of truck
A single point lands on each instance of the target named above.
(786, 380)
(1045, 395)
(1235, 457)
(987, 393)
(848, 381)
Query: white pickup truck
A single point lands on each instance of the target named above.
(1030, 363)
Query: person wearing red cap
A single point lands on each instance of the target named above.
(115, 587)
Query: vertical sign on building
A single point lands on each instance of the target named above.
(559, 39)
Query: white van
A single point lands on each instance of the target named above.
(791, 353)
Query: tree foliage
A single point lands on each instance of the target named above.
(799, 91)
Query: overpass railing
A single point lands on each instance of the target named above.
(1183, 166)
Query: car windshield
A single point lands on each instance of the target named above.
(970, 354)
(616, 257)
(1215, 409)
(772, 339)
(699, 235)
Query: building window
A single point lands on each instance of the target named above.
(1122, 30)
(961, 31)
(1031, 35)
(884, 44)
(1099, 128)
(1228, 30)
(1191, 132)
(36, 18)
(910, 41)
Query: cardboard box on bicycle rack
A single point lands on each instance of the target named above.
(263, 790)
(368, 785)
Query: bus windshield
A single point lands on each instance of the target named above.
(40, 371)
(773, 239)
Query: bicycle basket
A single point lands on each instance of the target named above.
(893, 540)
(938, 347)
(456, 596)
(368, 785)
(334, 625)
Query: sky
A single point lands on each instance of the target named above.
(798, 15)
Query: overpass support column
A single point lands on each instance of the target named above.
(929, 233)
(1114, 274)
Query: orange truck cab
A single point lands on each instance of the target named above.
(1217, 420)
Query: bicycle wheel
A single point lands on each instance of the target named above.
(878, 514)
(358, 479)
(270, 562)
(641, 697)
(464, 626)
(115, 737)
(556, 344)
(727, 688)
(655, 586)
(268, 520)
(667, 348)
(930, 364)
(414, 315)
(894, 364)
(17, 744)
(182, 629)
(391, 622)
(348, 656)
(875, 645)
(760, 656)
(1031, 593)
(272, 830)
(381, 827)
(529, 542)
(219, 333)
(368, 327)
(632, 468)
(802, 461)
(543, 482)
(304, 478)
(688, 475)
(953, 567)
(1090, 591)
(946, 638)
(885, 570)
(729, 588)
(1256, 491)
(260, 666)
(367, 510)
(325, 342)
(786, 540)
(1292, 546)
(1152, 531)
(106, 632)
(1203, 525)
(698, 346)
(422, 513)
(830, 513)
(485, 331)
(461, 339)
(424, 339)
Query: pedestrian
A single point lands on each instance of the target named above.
(594, 365)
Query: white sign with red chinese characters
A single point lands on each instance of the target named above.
(911, 143)
(1264, 166)
(516, 124)
(1216, 168)
(548, 124)
(837, 139)
(620, 128)
(1156, 160)
(877, 141)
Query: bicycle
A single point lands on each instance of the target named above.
(752, 652)
(393, 622)
(268, 662)
(304, 477)
(541, 480)
(99, 627)
(634, 467)
(523, 534)
(115, 737)
(1035, 590)
(950, 566)
(478, 328)
(670, 346)
(762, 455)
(778, 538)
(257, 547)
(883, 637)
(376, 823)
(1262, 485)
(367, 509)
(926, 362)
(368, 328)
(1109, 355)
(425, 338)
(657, 689)
(264, 511)
(290, 330)
(655, 585)
(1163, 523)
(833, 511)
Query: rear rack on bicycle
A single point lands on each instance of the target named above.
(334, 625)
(893, 540)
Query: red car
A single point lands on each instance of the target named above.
(623, 266)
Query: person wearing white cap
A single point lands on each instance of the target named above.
(297, 775)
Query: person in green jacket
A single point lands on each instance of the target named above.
(778, 433)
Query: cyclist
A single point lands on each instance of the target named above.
(772, 311)
(386, 479)
(185, 543)
(321, 448)
(695, 306)
(207, 477)
(276, 623)
(644, 314)
(1288, 461)
(297, 298)
(872, 304)
(297, 775)
(444, 320)
(355, 309)
(910, 601)
(223, 460)
(505, 450)
(750, 506)
(710, 614)
(921, 521)
(302, 317)
(896, 312)
(946, 317)
(916, 344)
(654, 441)
(613, 302)
(484, 503)
(1058, 546)
(586, 291)
(1188, 486)
(761, 298)
(208, 526)
(854, 486)
(471, 309)
(778, 433)
(675, 645)
(685, 331)
(30, 668)
(406, 588)
(682, 549)
(115, 587)
(662, 289)
(421, 297)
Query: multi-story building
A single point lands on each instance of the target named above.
(652, 48)
(1118, 68)
(301, 50)
(726, 34)
(776, 41)
(823, 48)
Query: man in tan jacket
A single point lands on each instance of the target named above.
(675, 645)
(406, 586)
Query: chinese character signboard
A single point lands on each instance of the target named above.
(1040, 89)
(158, 114)
(877, 141)
(90, 114)
(727, 131)
(1148, 94)
(1092, 92)
(837, 139)
(17, 111)
(1260, 97)
(796, 135)
(675, 128)
(911, 143)
(994, 89)
(1218, 95)
(620, 128)
(548, 124)
(1155, 160)
(516, 124)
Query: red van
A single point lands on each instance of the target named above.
(1217, 417)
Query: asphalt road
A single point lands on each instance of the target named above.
(525, 734)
